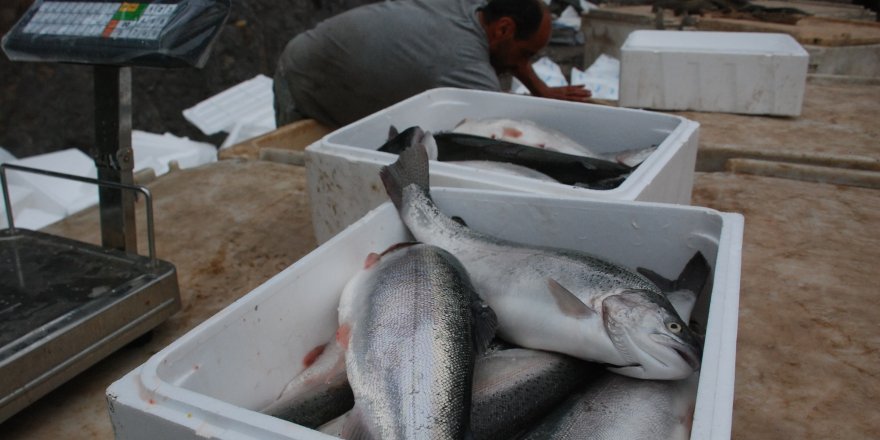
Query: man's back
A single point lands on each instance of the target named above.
(368, 58)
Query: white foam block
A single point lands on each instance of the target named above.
(736, 72)
(248, 102)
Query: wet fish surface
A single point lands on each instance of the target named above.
(513, 388)
(319, 393)
(618, 407)
(411, 324)
(552, 299)
(523, 131)
(516, 387)
(564, 168)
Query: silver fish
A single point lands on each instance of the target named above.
(411, 323)
(513, 389)
(505, 168)
(552, 299)
(525, 132)
(320, 393)
(618, 407)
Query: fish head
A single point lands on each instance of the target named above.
(650, 336)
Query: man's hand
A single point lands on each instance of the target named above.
(526, 75)
(568, 93)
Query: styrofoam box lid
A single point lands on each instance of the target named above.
(757, 43)
(209, 382)
(604, 129)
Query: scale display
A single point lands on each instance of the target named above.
(160, 33)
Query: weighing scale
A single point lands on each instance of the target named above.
(66, 304)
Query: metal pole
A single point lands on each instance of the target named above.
(115, 158)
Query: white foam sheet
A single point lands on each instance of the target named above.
(51, 192)
(249, 102)
(602, 78)
(157, 151)
(39, 200)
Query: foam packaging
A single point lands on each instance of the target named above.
(210, 382)
(736, 72)
(343, 167)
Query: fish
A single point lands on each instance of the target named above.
(516, 387)
(552, 299)
(526, 132)
(619, 407)
(513, 388)
(634, 157)
(505, 168)
(319, 393)
(564, 168)
(411, 325)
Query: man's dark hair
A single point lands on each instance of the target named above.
(527, 15)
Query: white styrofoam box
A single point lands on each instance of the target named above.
(736, 72)
(210, 382)
(343, 167)
(157, 151)
(249, 102)
(52, 191)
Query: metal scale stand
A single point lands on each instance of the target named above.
(66, 304)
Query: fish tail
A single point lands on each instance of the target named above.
(411, 168)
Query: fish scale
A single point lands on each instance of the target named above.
(411, 353)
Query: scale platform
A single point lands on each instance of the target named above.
(65, 305)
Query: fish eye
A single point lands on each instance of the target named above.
(674, 327)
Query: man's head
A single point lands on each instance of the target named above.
(517, 31)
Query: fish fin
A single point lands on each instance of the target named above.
(459, 220)
(568, 303)
(392, 132)
(355, 428)
(411, 168)
(665, 284)
(693, 276)
(371, 260)
(484, 324)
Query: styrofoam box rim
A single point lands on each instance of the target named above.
(629, 189)
(713, 42)
(144, 395)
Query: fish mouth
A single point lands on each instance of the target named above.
(689, 356)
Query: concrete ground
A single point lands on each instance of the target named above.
(808, 348)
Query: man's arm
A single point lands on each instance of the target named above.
(526, 75)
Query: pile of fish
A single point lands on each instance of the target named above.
(464, 335)
(523, 148)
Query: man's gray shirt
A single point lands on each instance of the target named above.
(370, 57)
